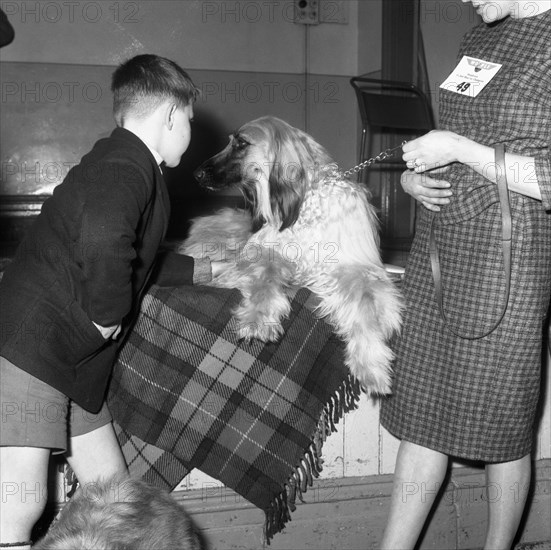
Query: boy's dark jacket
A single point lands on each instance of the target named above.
(87, 258)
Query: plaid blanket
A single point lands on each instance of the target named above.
(187, 394)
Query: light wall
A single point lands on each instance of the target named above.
(244, 35)
(248, 57)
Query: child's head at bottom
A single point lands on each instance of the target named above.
(154, 97)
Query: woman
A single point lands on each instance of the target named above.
(453, 395)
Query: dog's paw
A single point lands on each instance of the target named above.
(259, 316)
(265, 331)
(371, 365)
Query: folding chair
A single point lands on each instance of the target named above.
(390, 108)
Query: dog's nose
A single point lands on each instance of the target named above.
(199, 174)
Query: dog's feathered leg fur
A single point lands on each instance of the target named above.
(262, 281)
(258, 271)
(364, 309)
(219, 237)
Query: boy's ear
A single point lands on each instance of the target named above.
(170, 114)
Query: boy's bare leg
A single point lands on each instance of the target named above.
(417, 479)
(96, 455)
(511, 481)
(23, 476)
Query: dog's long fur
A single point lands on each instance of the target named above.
(121, 514)
(309, 227)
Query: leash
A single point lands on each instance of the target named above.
(383, 155)
(506, 243)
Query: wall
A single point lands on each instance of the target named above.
(199, 34)
(222, 43)
(249, 58)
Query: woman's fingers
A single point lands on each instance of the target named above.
(430, 192)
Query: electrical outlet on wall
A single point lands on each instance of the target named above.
(307, 12)
(314, 12)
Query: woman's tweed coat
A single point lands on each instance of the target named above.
(477, 399)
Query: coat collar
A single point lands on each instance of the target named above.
(131, 138)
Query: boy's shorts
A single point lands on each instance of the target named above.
(33, 414)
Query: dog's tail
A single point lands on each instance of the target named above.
(365, 308)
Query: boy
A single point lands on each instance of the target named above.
(73, 284)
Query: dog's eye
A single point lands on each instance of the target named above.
(239, 143)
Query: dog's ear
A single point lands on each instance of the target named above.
(286, 190)
(284, 200)
(317, 155)
(258, 222)
(297, 158)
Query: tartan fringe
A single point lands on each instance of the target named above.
(310, 466)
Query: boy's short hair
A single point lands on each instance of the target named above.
(142, 83)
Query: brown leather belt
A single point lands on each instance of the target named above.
(506, 243)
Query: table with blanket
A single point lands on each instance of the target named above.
(187, 393)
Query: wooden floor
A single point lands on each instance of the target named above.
(350, 513)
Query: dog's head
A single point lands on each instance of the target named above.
(272, 163)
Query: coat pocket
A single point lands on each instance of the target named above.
(69, 336)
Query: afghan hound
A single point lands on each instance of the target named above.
(121, 514)
(309, 226)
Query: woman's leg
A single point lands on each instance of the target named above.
(508, 486)
(23, 478)
(417, 479)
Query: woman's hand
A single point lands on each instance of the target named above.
(428, 191)
(441, 147)
(433, 150)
